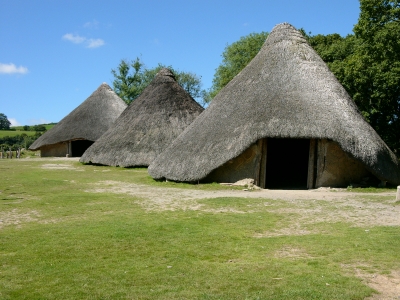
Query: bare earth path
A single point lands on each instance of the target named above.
(363, 213)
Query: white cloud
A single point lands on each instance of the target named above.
(94, 43)
(91, 25)
(14, 122)
(76, 39)
(11, 69)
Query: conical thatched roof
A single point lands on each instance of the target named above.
(88, 121)
(147, 126)
(286, 91)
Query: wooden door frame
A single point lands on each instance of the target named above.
(312, 164)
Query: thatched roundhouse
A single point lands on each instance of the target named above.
(83, 126)
(147, 126)
(284, 121)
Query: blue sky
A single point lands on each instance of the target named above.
(55, 53)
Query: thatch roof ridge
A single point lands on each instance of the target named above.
(147, 126)
(286, 91)
(88, 121)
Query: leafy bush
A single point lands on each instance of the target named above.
(38, 128)
(21, 140)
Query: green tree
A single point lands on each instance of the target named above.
(332, 48)
(4, 122)
(131, 78)
(336, 51)
(368, 65)
(234, 58)
(374, 69)
(128, 79)
(189, 81)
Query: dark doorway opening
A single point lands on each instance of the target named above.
(287, 163)
(79, 147)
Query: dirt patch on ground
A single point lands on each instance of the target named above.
(50, 158)
(312, 206)
(387, 286)
(15, 217)
(290, 230)
(290, 252)
(61, 167)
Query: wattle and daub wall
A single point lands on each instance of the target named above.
(326, 164)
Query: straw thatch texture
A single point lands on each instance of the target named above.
(88, 121)
(147, 126)
(286, 91)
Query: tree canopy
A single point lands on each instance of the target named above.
(234, 58)
(4, 122)
(372, 73)
(368, 65)
(39, 128)
(132, 77)
(128, 80)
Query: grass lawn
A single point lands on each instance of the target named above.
(4, 133)
(20, 130)
(73, 231)
(47, 126)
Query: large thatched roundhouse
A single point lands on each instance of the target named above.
(147, 126)
(84, 125)
(284, 121)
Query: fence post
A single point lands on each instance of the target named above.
(398, 193)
